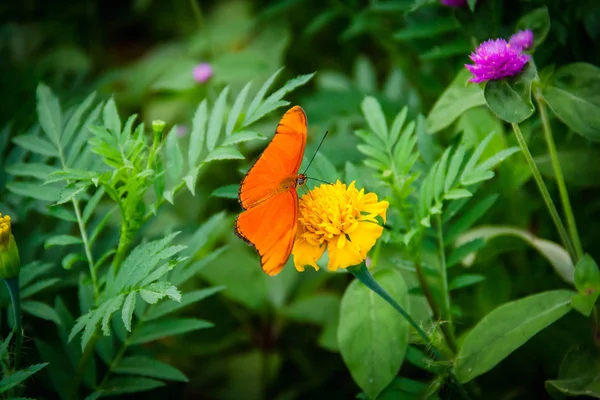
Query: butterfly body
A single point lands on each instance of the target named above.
(268, 194)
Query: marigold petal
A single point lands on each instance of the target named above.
(306, 254)
(365, 236)
(344, 256)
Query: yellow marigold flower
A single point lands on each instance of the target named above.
(341, 219)
(10, 263)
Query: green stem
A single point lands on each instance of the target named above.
(361, 273)
(562, 232)
(447, 327)
(12, 284)
(560, 180)
(87, 249)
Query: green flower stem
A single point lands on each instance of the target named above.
(562, 232)
(560, 180)
(361, 273)
(12, 284)
(446, 324)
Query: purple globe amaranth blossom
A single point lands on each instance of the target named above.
(202, 72)
(454, 3)
(496, 59)
(522, 39)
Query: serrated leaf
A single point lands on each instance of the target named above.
(110, 117)
(146, 366)
(223, 153)
(454, 167)
(62, 240)
(35, 170)
(112, 306)
(49, 114)
(457, 194)
(496, 159)
(12, 380)
(167, 327)
(190, 181)
(174, 165)
(255, 103)
(236, 109)
(33, 270)
(217, 116)
(198, 135)
(474, 177)
(36, 144)
(71, 190)
(75, 119)
(474, 159)
(128, 308)
(397, 126)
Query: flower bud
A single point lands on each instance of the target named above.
(10, 263)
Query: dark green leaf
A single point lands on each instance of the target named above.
(167, 327)
(167, 307)
(35, 170)
(466, 220)
(573, 93)
(38, 287)
(372, 336)
(121, 385)
(427, 29)
(62, 240)
(226, 192)
(579, 374)
(146, 366)
(506, 329)
(464, 250)
(510, 98)
(36, 144)
(128, 308)
(47, 193)
(49, 114)
(12, 380)
(538, 21)
(40, 310)
(466, 280)
(579, 167)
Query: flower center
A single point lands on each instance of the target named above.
(5, 230)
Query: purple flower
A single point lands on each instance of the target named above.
(522, 39)
(454, 3)
(202, 72)
(496, 59)
(181, 130)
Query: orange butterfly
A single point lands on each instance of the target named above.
(268, 194)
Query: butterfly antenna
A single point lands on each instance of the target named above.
(319, 180)
(315, 154)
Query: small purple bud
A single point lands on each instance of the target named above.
(496, 59)
(181, 130)
(522, 39)
(454, 3)
(202, 72)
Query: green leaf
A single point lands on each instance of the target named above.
(457, 194)
(47, 193)
(36, 144)
(217, 116)
(319, 308)
(456, 99)
(167, 327)
(243, 136)
(49, 114)
(510, 98)
(274, 100)
(62, 240)
(454, 167)
(40, 310)
(579, 374)
(226, 192)
(556, 255)
(36, 170)
(373, 113)
(198, 135)
(587, 282)
(33, 270)
(236, 109)
(372, 336)
(405, 389)
(496, 159)
(506, 329)
(168, 307)
(365, 75)
(464, 250)
(223, 153)
(111, 119)
(472, 4)
(174, 164)
(465, 280)
(38, 287)
(538, 21)
(156, 291)
(468, 218)
(573, 93)
(75, 119)
(255, 103)
(121, 385)
(128, 308)
(146, 366)
(12, 380)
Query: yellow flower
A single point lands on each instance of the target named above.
(10, 263)
(341, 219)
